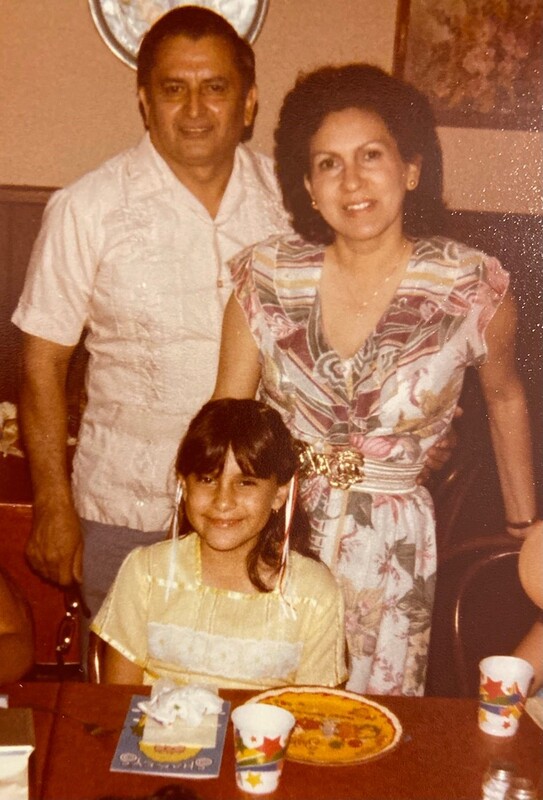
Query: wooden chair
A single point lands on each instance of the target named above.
(481, 609)
(95, 658)
(55, 612)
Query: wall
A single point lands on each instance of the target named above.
(68, 102)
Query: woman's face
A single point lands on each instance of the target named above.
(229, 509)
(357, 177)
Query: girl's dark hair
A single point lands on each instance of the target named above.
(407, 115)
(194, 22)
(263, 448)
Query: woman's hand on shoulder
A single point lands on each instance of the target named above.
(441, 452)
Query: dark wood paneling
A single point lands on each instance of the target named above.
(21, 210)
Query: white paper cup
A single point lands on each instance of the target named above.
(502, 691)
(261, 734)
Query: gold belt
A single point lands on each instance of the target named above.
(342, 467)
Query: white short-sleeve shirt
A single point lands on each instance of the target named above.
(130, 254)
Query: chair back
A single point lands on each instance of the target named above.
(95, 658)
(480, 610)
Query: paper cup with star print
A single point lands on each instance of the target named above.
(261, 734)
(504, 684)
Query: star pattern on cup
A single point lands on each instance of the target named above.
(253, 779)
(271, 747)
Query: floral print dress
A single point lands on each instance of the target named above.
(390, 402)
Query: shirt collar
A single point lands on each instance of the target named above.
(150, 174)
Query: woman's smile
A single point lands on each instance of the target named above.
(362, 205)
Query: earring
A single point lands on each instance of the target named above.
(313, 203)
(412, 183)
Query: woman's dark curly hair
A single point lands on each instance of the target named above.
(263, 448)
(407, 115)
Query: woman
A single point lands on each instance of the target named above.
(359, 330)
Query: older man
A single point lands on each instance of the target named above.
(136, 252)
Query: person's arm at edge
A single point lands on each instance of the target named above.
(509, 419)
(55, 545)
(16, 635)
(530, 571)
(531, 650)
(238, 373)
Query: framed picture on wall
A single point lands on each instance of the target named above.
(479, 61)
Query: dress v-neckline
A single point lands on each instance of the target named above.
(319, 320)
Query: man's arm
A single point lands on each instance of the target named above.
(55, 545)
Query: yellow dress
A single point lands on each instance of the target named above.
(219, 637)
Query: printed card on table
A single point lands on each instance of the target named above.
(146, 748)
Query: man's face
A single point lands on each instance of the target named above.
(194, 106)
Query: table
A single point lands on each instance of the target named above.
(442, 755)
(43, 699)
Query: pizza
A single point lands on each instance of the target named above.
(334, 727)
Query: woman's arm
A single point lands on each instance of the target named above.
(239, 367)
(509, 419)
(118, 669)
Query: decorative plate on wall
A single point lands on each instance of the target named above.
(122, 23)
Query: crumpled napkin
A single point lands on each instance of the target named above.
(170, 702)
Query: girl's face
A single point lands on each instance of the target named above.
(357, 176)
(229, 510)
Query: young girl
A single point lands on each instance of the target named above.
(227, 604)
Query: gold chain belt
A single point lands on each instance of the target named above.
(342, 468)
